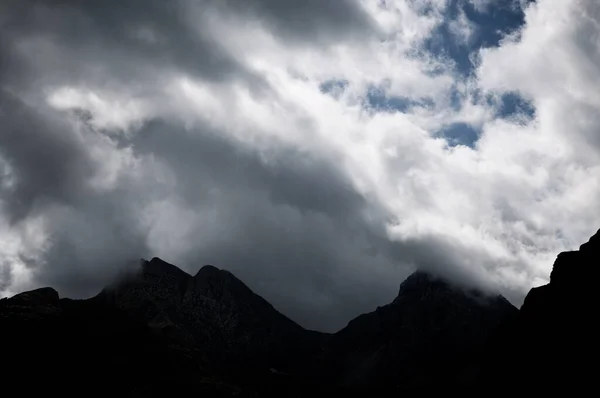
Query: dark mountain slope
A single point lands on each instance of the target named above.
(429, 337)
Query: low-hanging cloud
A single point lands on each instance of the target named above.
(199, 131)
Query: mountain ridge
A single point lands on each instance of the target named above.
(211, 333)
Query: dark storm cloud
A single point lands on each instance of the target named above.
(119, 41)
(290, 222)
(309, 19)
(47, 159)
(204, 156)
(92, 233)
(93, 241)
(292, 227)
(79, 41)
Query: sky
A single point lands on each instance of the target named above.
(320, 150)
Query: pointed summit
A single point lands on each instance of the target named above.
(420, 283)
(157, 266)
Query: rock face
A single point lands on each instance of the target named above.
(429, 338)
(552, 345)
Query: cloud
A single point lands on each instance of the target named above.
(481, 5)
(308, 20)
(462, 28)
(278, 220)
(319, 153)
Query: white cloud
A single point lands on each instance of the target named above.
(111, 111)
(20, 244)
(462, 28)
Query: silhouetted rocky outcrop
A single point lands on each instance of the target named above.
(552, 345)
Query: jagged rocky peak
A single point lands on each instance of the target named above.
(160, 278)
(418, 278)
(420, 283)
(157, 266)
(167, 286)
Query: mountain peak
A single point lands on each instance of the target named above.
(418, 277)
(158, 267)
(420, 283)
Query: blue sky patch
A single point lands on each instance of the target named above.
(378, 99)
(460, 134)
(488, 28)
(333, 87)
(501, 18)
(512, 104)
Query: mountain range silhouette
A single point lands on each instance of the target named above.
(160, 331)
